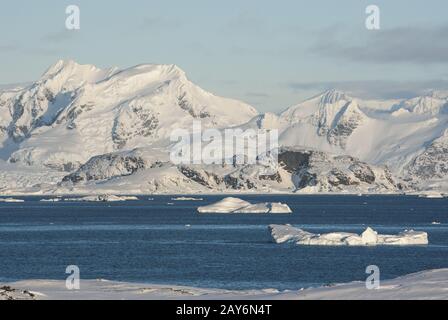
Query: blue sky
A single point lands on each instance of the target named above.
(271, 54)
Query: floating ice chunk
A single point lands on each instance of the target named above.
(407, 237)
(227, 205)
(186, 199)
(278, 207)
(11, 200)
(50, 200)
(369, 237)
(235, 205)
(103, 198)
(254, 208)
(431, 195)
(289, 234)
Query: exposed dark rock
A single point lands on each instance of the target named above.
(107, 166)
(363, 172)
(293, 161)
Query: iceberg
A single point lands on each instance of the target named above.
(290, 234)
(11, 200)
(186, 199)
(432, 195)
(50, 200)
(236, 205)
(278, 207)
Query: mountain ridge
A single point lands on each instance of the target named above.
(80, 117)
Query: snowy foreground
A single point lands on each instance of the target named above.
(432, 284)
(236, 205)
(290, 234)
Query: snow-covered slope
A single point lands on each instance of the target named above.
(77, 111)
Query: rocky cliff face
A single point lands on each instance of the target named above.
(433, 162)
(108, 166)
(322, 172)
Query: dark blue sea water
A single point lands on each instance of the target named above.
(149, 241)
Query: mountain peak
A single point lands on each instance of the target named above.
(71, 74)
(438, 94)
(66, 65)
(332, 96)
(162, 71)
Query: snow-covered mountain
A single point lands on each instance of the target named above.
(83, 129)
(77, 111)
(408, 136)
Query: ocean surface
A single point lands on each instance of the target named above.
(167, 242)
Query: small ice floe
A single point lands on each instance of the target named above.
(50, 200)
(103, 198)
(11, 200)
(187, 199)
(289, 234)
(432, 195)
(236, 205)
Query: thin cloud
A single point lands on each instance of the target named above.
(369, 89)
(415, 45)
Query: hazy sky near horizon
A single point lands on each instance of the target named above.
(271, 54)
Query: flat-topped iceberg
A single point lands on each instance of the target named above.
(50, 200)
(290, 234)
(187, 199)
(236, 205)
(432, 195)
(103, 198)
